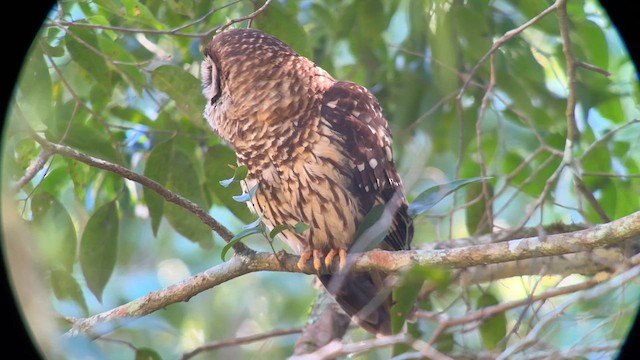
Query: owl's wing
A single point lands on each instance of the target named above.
(355, 113)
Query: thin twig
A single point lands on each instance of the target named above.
(593, 68)
(572, 128)
(175, 31)
(244, 18)
(481, 160)
(606, 137)
(33, 169)
(600, 290)
(604, 174)
(336, 348)
(503, 39)
(239, 341)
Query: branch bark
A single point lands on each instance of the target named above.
(389, 261)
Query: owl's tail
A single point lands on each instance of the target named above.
(364, 297)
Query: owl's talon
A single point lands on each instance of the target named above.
(342, 255)
(304, 257)
(328, 260)
(317, 260)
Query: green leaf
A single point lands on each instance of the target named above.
(98, 247)
(255, 227)
(183, 179)
(77, 128)
(494, 328)
(300, 227)
(56, 231)
(428, 198)
(147, 354)
(35, 87)
(239, 175)
(156, 169)
(282, 23)
(476, 214)
(81, 175)
(373, 218)
(371, 17)
(278, 229)
(131, 74)
(25, 152)
(65, 287)
(81, 44)
(184, 89)
(406, 293)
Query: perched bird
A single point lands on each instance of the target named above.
(320, 152)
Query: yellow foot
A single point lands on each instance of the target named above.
(304, 257)
(342, 256)
(317, 260)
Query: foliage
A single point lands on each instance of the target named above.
(119, 80)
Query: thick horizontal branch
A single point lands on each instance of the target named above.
(390, 261)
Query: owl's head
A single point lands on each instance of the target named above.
(247, 72)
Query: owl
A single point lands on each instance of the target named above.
(319, 151)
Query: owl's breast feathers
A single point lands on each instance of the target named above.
(326, 164)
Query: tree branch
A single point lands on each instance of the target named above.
(389, 261)
(145, 181)
(33, 169)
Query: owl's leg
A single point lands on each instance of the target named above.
(342, 256)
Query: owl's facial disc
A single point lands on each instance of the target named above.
(210, 81)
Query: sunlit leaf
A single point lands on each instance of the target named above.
(35, 87)
(184, 89)
(131, 73)
(98, 247)
(54, 225)
(82, 44)
(428, 198)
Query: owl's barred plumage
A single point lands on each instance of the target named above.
(320, 150)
